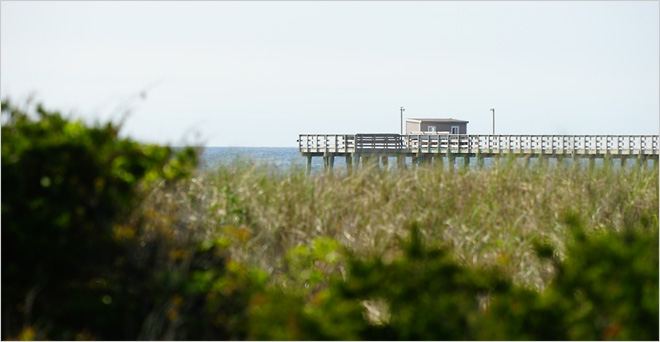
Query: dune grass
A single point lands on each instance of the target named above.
(486, 217)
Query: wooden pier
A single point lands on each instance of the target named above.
(358, 148)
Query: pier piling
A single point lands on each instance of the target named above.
(608, 161)
(641, 161)
(401, 161)
(438, 162)
(451, 160)
(309, 163)
(331, 161)
(560, 161)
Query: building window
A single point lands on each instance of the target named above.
(431, 128)
(454, 130)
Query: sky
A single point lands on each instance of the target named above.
(257, 74)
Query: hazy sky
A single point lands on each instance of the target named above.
(260, 73)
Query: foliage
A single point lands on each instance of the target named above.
(427, 295)
(80, 262)
(310, 267)
(107, 238)
(606, 289)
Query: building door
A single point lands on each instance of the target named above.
(454, 130)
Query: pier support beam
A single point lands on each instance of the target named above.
(425, 159)
(331, 161)
(401, 161)
(384, 160)
(480, 161)
(451, 160)
(364, 161)
(325, 163)
(349, 164)
(592, 162)
(607, 161)
(526, 161)
(373, 162)
(641, 161)
(309, 163)
(466, 162)
(438, 162)
(622, 162)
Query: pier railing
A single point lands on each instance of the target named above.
(623, 145)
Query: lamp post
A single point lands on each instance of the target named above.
(493, 110)
(402, 110)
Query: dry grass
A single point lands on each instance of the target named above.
(488, 217)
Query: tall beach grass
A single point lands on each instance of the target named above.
(486, 217)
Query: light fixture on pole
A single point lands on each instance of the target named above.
(493, 110)
(402, 110)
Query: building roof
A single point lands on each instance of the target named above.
(438, 120)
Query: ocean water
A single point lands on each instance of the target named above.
(284, 158)
(279, 157)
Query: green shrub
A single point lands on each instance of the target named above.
(606, 289)
(310, 267)
(303, 306)
(426, 294)
(73, 266)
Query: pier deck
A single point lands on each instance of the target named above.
(422, 147)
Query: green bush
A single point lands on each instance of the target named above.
(307, 306)
(606, 289)
(426, 294)
(80, 261)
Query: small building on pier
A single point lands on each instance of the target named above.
(426, 126)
